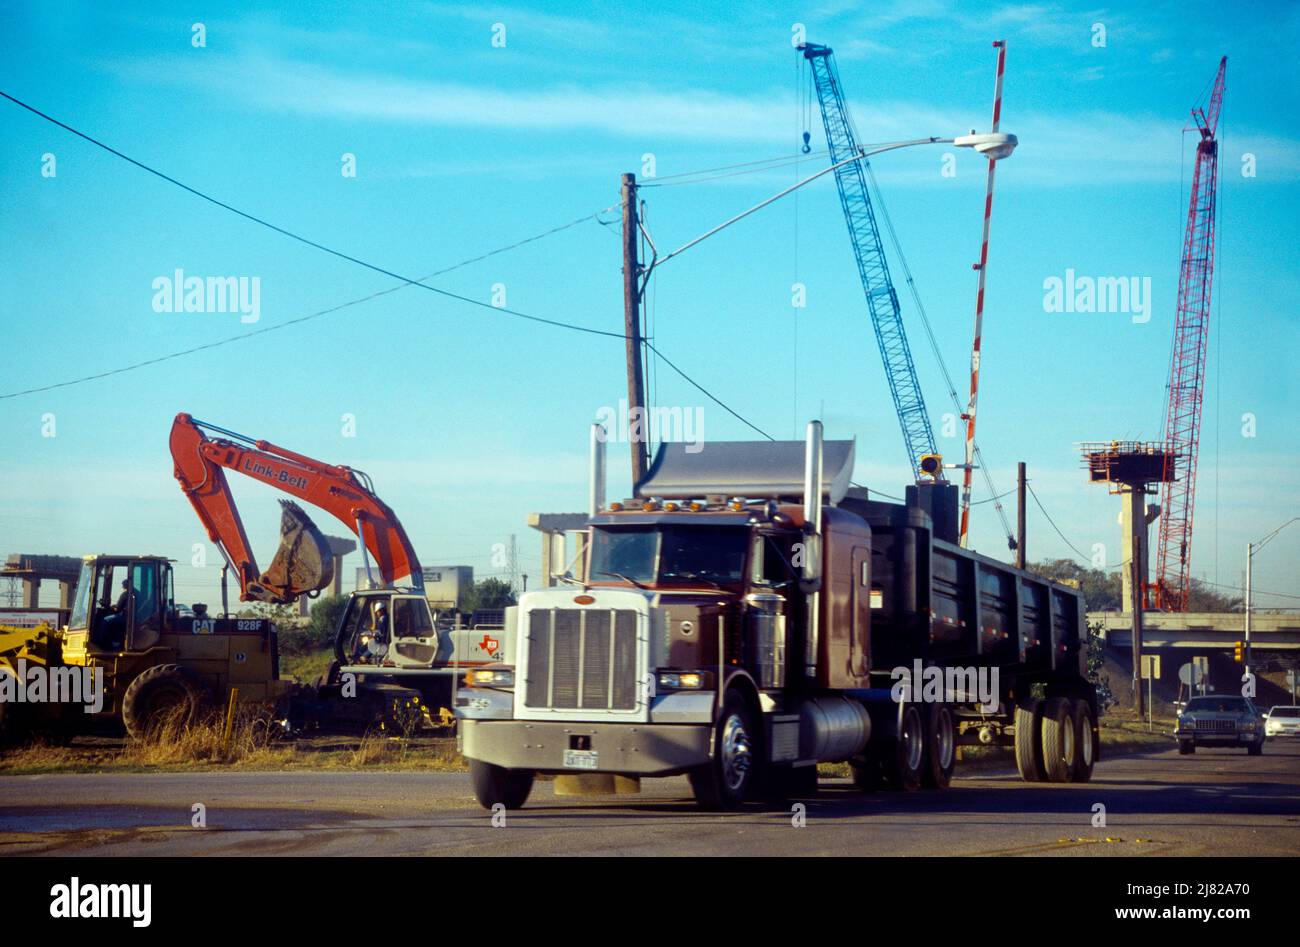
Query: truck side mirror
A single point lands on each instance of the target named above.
(810, 562)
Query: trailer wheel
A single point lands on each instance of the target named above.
(904, 757)
(1058, 739)
(161, 690)
(940, 747)
(1085, 742)
(496, 785)
(1029, 746)
(728, 780)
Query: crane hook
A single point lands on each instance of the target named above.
(806, 147)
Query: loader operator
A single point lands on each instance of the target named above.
(112, 625)
(374, 642)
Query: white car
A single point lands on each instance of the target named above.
(1282, 722)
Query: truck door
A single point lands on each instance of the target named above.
(860, 639)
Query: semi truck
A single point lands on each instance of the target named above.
(749, 613)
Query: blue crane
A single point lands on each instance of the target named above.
(882, 300)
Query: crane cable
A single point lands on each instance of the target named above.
(934, 347)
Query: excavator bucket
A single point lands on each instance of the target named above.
(303, 562)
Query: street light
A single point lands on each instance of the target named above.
(1251, 549)
(992, 145)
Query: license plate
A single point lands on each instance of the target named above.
(580, 759)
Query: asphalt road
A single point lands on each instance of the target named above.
(1217, 802)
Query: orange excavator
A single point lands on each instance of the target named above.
(303, 564)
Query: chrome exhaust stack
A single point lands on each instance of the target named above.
(812, 542)
(596, 472)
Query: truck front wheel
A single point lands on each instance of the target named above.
(495, 785)
(728, 780)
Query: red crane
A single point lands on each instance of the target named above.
(1182, 427)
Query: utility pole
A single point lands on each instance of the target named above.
(636, 422)
(1250, 554)
(1020, 515)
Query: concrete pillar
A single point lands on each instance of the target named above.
(32, 593)
(336, 587)
(548, 565)
(66, 589)
(1133, 541)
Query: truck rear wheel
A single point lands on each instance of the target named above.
(728, 780)
(1085, 742)
(1058, 739)
(904, 757)
(495, 785)
(1029, 746)
(940, 747)
(157, 693)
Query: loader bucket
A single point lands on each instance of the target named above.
(303, 562)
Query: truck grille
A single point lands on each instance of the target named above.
(581, 659)
(1217, 726)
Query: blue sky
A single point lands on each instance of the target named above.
(468, 419)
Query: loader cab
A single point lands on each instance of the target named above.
(122, 603)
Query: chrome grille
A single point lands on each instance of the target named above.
(1217, 726)
(581, 659)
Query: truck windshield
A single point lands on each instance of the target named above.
(669, 555)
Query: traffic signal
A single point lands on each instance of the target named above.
(1239, 652)
(932, 465)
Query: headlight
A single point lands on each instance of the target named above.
(492, 677)
(1250, 725)
(681, 680)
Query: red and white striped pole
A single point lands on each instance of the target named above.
(969, 468)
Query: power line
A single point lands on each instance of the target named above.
(405, 281)
(1055, 527)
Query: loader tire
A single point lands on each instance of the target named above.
(156, 693)
(1029, 747)
(1058, 739)
(496, 785)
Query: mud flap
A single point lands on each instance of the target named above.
(303, 562)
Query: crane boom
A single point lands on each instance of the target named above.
(302, 565)
(869, 251)
(1182, 425)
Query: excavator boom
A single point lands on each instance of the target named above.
(303, 564)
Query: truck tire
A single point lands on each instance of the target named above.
(728, 780)
(1029, 744)
(1256, 749)
(940, 747)
(158, 691)
(496, 785)
(1085, 742)
(903, 758)
(1058, 739)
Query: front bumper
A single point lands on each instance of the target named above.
(1219, 737)
(633, 749)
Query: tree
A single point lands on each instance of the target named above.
(1101, 590)
(486, 595)
(318, 633)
